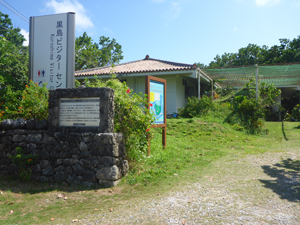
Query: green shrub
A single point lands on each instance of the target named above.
(250, 113)
(34, 102)
(237, 127)
(296, 112)
(23, 162)
(31, 103)
(196, 107)
(131, 117)
(246, 113)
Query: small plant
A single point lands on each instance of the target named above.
(296, 113)
(237, 127)
(196, 107)
(23, 162)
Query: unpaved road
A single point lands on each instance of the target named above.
(257, 189)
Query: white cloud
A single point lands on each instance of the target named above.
(174, 11)
(235, 29)
(266, 2)
(26, 36)
(82, 21)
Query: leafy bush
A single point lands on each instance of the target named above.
(196, 107)
(296, 112)
(131, 117)
(250, 113)
(237, 127)
(23, 162)
(247, 113)
(31, 103)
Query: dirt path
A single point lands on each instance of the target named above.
(257, 189)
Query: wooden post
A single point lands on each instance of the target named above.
(164, 137)
(212, 89)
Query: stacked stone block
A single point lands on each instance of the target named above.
(69, 155)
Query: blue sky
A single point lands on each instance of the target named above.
(185, 31)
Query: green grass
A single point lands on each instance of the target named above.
(192, 144)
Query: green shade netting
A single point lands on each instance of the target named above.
(279, 75)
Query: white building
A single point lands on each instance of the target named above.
(183, 80)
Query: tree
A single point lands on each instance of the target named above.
(91, 55)
(13, 63)
(249, 55)
(9, 32)
(287, 52)
(14, 57)
(201, 65)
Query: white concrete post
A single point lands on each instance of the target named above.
(256, 82)
(199, 85)
(212, 89)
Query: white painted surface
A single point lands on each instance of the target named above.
(175, 88)
(52, 46)
(180, 93)
(277, 100)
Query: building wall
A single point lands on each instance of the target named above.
(180, 93)
(137, 84)
(176, 90)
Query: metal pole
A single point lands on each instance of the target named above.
(256, 81)
(71, 51)
(31, 40)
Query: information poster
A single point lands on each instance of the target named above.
(79, 112)
(157, 101)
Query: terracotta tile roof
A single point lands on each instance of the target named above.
(140, 66)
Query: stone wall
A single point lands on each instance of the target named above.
(106, 108)
(71, 155)
(73, 158)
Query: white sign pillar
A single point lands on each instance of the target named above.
(52, 50)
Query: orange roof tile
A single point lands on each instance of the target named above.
(139, 66)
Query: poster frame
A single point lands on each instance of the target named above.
(148, 79)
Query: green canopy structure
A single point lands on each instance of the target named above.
(283, 76)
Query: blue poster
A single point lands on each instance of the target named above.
(157, 101)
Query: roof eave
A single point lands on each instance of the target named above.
(143, 73)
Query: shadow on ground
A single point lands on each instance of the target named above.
(14, 185)
(287, 179)
(298, 127)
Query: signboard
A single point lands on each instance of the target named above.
(155, 88)
(52, 50)
(79, 112)
(157, 101)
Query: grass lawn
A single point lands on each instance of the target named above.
(192, 144)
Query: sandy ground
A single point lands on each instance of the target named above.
(257, 189)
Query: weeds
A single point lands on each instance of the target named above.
(22, 162)
(184, 160)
